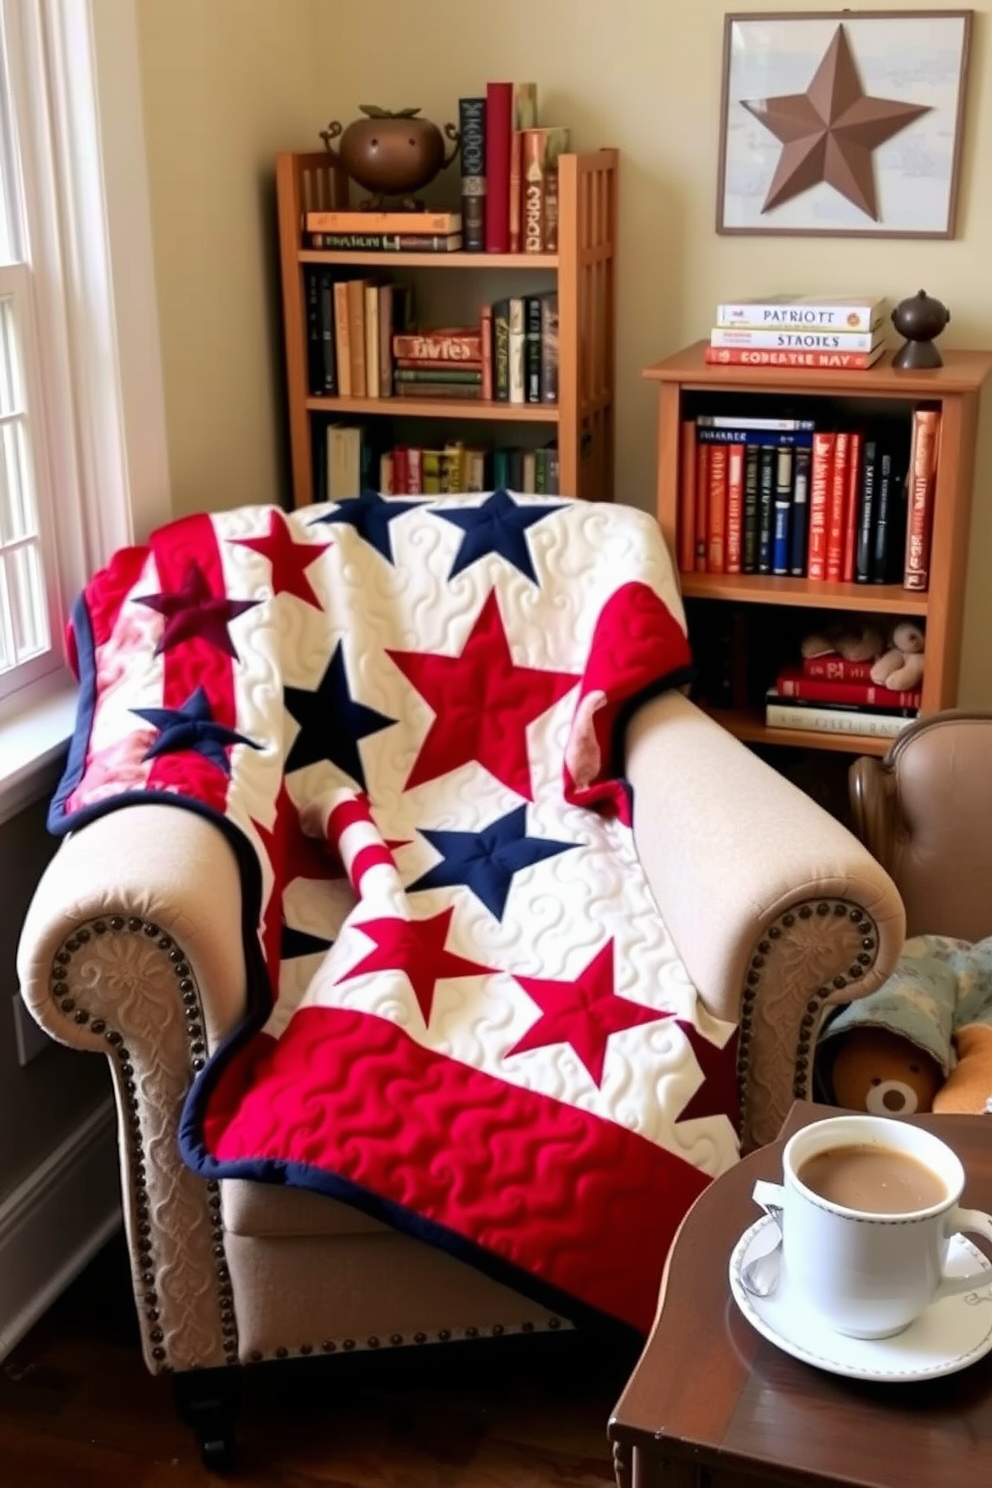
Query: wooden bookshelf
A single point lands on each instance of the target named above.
(686, 384)
(582, 272)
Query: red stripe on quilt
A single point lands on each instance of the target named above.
(194, 663)
(366, 858)
(349, 812)
(349, 1093)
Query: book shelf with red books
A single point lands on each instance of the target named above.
(579, 276)
(757, 618)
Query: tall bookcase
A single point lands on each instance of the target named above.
(582, 273)
(688, 386)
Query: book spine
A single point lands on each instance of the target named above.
(821, 690)
(890, 526)
(372, 381)
(866, 513)
(433, 373)
(387, 310)
(749, 560)
(501, 351)
(767, 457)
(836, 669)
(356, 335)
(850, 535)
(532, 347)
(451, 346)
(501, 469)
(685, 544)
(716, 523)
(735, 421)
(472, 134)
(793, 340)
(549, 348)
(414, 471)
(919, 517)
(517, 349)
(417, 364)
(743, 356)
(822, 317)
(387, 478)
(486, 337)
(730, 435)
(820, 482)
(342, 337)
(315, 348)
(834, 721)
(437, 390)
(499, 128)
(516, 190)
(702, 514)
(782, 509)
(384, 223)
(836, 504)
(735, 508)
(386, 242)
(329, 375)
(799, 530)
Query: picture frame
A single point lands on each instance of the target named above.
(801, 154)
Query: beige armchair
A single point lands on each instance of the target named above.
(132, 949)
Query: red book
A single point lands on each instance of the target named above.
(837, 668)
(851, 504)
(716, 526)
(499, 131)
(686, 539)
(819, 487)
(837, 506)
(486, 336)
(746, 356)
(702, 503)
(735, 507)
(793, 682)
(922, 483)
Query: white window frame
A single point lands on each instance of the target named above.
(75, 85)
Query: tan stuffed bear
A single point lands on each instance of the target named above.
(901, 666)
(853, 639)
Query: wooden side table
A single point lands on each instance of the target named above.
(712, 1403)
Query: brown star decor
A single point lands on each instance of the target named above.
(829, 132)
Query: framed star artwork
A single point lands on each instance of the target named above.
(842, 123)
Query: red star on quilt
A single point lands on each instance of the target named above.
(582, 1013)
(289, 559)
(717, 1095)
(291, 854)
(482, 702)
(192, 612)
(416, 948)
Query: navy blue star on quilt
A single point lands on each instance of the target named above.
(370, 514)
(192, 726)
(331, 722)
(294, 943)
(486, 861)
(499, 525)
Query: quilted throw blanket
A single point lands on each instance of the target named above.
(467, 1016)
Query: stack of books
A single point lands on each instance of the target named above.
(846, 333)
(832, 695)
(509, 165)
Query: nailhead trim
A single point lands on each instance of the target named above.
(118, 1050)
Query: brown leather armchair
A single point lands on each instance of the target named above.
(925, 812)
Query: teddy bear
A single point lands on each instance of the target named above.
(853, 638)
(920, 1042)
(901, 666)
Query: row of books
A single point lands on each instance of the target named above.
(361, 343)
(509, 171)
(352, 458)
(846, 333)
(831, 695)
(780, 496)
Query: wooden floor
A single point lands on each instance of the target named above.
(78, 1410)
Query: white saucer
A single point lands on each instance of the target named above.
(949, 1336)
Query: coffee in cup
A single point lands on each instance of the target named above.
(868, 1206)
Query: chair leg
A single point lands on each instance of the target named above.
(208, 1400)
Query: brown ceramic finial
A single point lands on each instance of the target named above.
(920, 319)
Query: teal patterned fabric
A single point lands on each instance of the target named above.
(938, 986)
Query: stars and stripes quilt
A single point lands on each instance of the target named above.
(467, 1016)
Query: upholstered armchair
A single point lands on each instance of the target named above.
(142, 941)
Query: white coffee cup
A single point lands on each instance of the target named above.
(869, 1275)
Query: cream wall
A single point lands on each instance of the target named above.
(227, 82)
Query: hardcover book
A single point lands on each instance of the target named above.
(499, 131)
(472, 134)
(815, 312)
(746, 356)
(384, 222)
(541, 149)
(355, 242)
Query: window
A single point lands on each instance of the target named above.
(83, 467)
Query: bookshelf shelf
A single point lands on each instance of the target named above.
(763, 606)
(581, 274)
(449, 408)
(531, 261)
(881, 599)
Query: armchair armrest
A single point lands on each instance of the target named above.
(776, 909)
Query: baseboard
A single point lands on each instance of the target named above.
(55, 1221)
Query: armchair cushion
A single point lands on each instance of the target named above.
(466, 1016)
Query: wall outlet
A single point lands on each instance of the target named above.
(32, 1040)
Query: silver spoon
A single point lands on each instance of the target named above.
(760, 1276)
